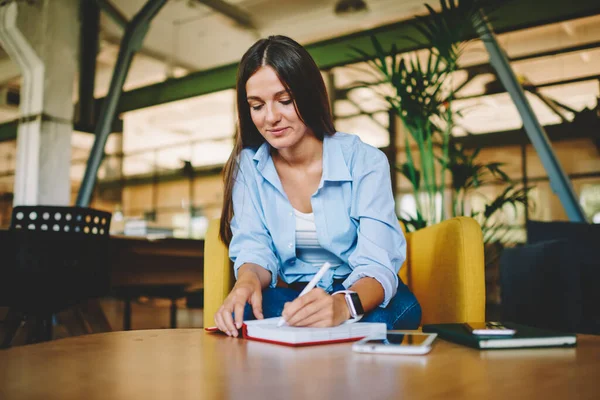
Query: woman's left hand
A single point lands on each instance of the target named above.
(316, 308)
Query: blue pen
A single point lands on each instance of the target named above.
(311, 285)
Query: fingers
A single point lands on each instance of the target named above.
(256, 302)
(239, 316)
(320, 319)
(228, 320)
(219, 320)
(224, 316)
(308, 314)
(230, 316)
(291, 309)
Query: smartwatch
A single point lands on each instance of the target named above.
(353, 301)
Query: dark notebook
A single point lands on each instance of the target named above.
(525, 337)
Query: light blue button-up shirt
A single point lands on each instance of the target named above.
(353, 209)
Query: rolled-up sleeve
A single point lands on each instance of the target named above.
(381, 246)
(251, 241)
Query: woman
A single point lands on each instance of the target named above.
(298, 194)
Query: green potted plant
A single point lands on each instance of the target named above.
(421, 92)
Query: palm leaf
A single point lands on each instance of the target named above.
(510, 196)
(411, 173)
(422, 97)
(411, 223)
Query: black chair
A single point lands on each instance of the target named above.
(54, 258)
(552, 282)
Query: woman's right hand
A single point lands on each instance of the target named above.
(247, 289)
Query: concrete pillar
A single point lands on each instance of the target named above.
(44, 41)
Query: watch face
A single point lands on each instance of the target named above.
(357, 304)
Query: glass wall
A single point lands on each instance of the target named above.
(162, 174)
(560, 87)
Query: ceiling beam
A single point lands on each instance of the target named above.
(334, 52)
(485, 68)
(585, 126)
(232, 12)
(120, 19)
(474, 70)
(113, 12)
(530, 86)
(153, 54)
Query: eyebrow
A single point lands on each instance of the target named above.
(284, 91)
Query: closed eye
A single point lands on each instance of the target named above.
(259, 106)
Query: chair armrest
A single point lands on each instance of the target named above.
(218, 273)
(446, 271)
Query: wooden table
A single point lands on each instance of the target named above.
(141, 261)
(192, 364)
(134, 261)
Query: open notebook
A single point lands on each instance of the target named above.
(266, 330)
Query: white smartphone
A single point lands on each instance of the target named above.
(397, 342)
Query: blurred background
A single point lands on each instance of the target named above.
(160, 176)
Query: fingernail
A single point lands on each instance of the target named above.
(238, 325)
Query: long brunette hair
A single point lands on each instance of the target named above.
(300, 75)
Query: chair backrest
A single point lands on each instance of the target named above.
(552, 281)
(75, 220)
(218, 272)
(55, 257)
(444, 268)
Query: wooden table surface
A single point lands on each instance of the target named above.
(192, 364)
(140, 261)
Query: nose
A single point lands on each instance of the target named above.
(273, 114)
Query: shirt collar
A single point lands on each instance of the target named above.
(334, 163)
(266, 167)
(262, 155)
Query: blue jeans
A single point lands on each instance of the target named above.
(402, 312)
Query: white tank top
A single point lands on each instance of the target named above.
(308, 248)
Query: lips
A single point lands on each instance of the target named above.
(277, 132)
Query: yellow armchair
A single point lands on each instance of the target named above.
(444, 268)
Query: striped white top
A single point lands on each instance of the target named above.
(308, 248)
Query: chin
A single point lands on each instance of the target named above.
(282, 142)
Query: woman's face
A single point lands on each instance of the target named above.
(272, 110)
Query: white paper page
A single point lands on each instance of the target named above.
(267, 329)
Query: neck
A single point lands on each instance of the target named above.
(309, 150)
